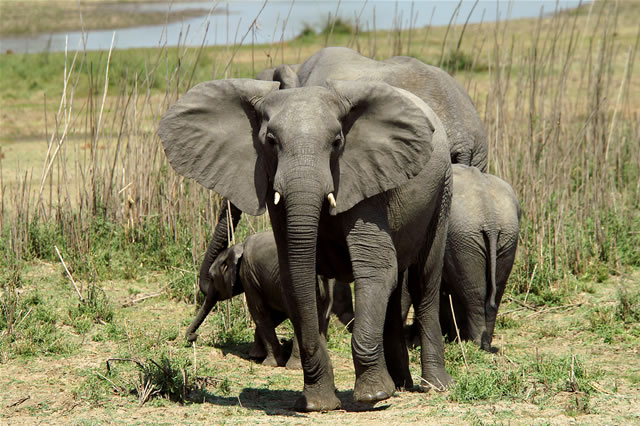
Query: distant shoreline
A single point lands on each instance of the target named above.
(33, 18)
(144, 23)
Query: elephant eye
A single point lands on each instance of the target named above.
(337, 142)
(271, 140)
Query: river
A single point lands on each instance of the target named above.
(231, 22)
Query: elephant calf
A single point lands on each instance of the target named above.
(481, 247)
(252, 267)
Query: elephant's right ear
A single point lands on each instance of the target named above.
(211, 135)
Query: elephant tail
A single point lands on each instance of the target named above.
(492, 240)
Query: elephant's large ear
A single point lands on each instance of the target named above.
(388, 140)
(211, 135)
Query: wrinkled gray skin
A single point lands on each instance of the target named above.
(481, 247)
(384, 154)
(252, 266)
(448, 99)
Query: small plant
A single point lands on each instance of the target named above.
(96, 308)
(628, 309)
(507, 322)
(166, 378)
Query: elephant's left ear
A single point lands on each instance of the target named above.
(388, 139)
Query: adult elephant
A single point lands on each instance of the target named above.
(356, 177)
(448, 99)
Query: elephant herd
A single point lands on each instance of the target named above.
(352, 158)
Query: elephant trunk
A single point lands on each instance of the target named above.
(219, 242)
(304, 195)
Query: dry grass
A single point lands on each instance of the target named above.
(557, 96)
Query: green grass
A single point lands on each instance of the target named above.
(618, 322)
(520, 379)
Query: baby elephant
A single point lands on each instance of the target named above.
(481, 245)
(252, 267)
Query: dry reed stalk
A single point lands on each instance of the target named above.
(561, 120)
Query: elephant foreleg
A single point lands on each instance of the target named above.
(375, 270)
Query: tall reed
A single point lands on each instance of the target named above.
(559, 103)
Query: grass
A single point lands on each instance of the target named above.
(82, 170)
(573, 375)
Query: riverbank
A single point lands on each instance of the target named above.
(38, 17)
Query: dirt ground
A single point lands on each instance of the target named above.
(60, 388)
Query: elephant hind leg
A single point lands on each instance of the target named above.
(257, 350)
(266, 323)
(424, 285)
(395, 348)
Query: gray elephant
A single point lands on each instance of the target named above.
(481, 248)
(252, 267)
(356, 176)
(448, 99)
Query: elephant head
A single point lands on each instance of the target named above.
(247, 140)
(222, 283)
(225, 282)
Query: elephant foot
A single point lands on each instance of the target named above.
(370, 388)
(485, 343)
(317, 401)
(437, 379)
(403, 382)
(294, 363)
(273, 361)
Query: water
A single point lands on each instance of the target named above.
(231, 22)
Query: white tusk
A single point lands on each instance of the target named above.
(332, 200)
(276, 198)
